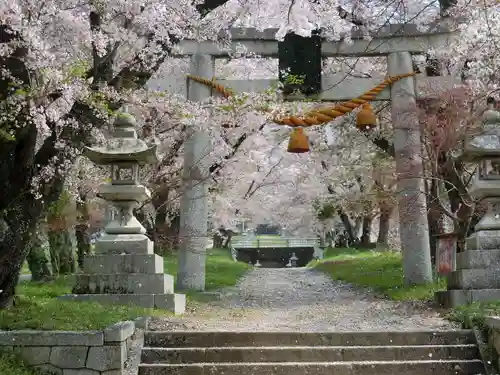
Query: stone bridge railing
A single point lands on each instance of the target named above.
(281, 242)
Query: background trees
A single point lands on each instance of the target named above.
(68, 66)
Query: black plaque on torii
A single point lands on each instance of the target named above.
(300, 60)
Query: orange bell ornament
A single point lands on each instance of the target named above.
(366, 118)
(299, 142)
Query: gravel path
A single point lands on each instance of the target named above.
(302, 299)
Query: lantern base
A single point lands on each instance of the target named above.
(484, 240)
(124, 270)
(175, 303)
(455, 298)
(476, 278)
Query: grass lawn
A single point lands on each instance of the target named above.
(37, 307)
(381, 271)
(221, 269)
(474, 314)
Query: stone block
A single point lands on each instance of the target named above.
(34, 355)
(492, 322)
(496, 342)
(124, 244)
(488, 278)
(112, 372)
(51, 338)
(478, 259)
(123, 263)
(80, 371)
(119, 332)
(50, 369)
(484, 240)
(175, 303)
(69, 356)
(107, 357)
(454, 298)
(143, 300)
(134, 283)
(142, 322)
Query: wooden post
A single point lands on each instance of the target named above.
(414, 229)
(194, 201)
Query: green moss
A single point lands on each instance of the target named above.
(221, 270)
(381, 271)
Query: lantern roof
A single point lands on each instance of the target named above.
(486, 144)
(122, 146)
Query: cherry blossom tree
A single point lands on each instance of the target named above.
(65, 67)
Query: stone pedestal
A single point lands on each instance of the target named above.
(125, 271)
(477, 277)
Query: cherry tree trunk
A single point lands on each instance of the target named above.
(226, 243)
(383, 227)
(82, 243)
(17, 225)
(37, 260)
(358, 228)
(217, 240)
(62, 252)
(348, 227)
(366, 231)
(414, 228)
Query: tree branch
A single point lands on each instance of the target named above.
(217, 166)
(135, 74)
(350, 17)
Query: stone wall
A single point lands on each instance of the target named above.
(72, 352)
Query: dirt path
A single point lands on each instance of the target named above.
(302, 299)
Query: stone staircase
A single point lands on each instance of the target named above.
(296, 353)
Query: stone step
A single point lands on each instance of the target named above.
(429, 367)
(186, 339)
(123, 263)
(172, 302)
(472, 259)
(474, 279)
(454, 298)
(135, 283)
(308, 354)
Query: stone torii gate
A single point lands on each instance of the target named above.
(398, 43)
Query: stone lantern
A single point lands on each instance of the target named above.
(477, 275)
(124, 269)
(293, 260)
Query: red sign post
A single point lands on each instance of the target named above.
(446, 253)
